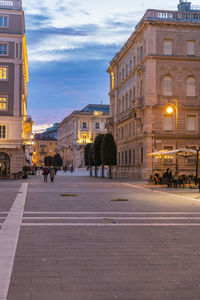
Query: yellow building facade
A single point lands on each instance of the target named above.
(44, 146)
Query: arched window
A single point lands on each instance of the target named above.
(126, 101)
(134, 94)
(167, 86)
(191, 87)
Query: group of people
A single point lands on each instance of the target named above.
(47, 171)
(71, 169)
(166, 178)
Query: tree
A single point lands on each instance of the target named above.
(48, 161)
(91, 159)
(57, 160)
(109, 152)
(97, 152)
(86, 154)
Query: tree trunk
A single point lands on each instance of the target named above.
(110, 172)
(96, 170)
(90, 171)
(102, 171)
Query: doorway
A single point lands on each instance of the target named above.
(4, 165)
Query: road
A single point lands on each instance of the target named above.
(69, 240)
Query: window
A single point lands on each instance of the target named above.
(97, 125)
(191, 123)
(141, 52)
(3, 49)
(129, 157)
(134, 94)
(169, 159)
(126, 70)
(167, 47)
(168, 123)
(3, 103)
(126, 161)
(141, 88)
(191, 87)
(3, 132)
(17, 50)
(84, 125)
(122, 158)
(3, 73)
(190, 47)
(118, 158)
(134, 156)
(167, 83)
(84, 139)
(130, 65)
(3, 21)
(130, 130)
(133, 128)
(141, 155)
(134, 61)
(122, 133)
(50, 150)
(50, 143)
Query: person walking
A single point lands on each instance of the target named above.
(52, 174)
(45, 174)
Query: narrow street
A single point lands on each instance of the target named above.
(75, 243)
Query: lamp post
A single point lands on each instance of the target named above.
(173, 105)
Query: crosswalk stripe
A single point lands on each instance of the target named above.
(111, 224)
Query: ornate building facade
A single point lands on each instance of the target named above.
(15, 125)
(158, 65)
(78, 129)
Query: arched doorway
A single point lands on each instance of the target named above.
(4, 165)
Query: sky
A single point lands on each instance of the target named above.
(70, 45)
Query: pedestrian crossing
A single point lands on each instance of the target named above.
(115, 219)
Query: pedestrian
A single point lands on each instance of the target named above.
(45, 174)
(52, 174)
(169, 178)
(71, 168)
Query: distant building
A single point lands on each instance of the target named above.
(78, 129)
(43, 146)
(15, 125)
(157, 66)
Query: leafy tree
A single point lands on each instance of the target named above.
(57, 160)
(91, 159)
(97, 153)
(48, 161)
(86, 154)
(109, 152)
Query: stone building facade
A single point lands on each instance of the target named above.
(43, 146)
(15, 125)
(158, 65)
(78, 129)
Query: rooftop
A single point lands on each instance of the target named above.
(11, 4)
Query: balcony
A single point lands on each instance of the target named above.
(43, 145)
(14, 5)
(84, 129)
(42, 153)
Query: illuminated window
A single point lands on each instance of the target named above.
(167, 47)
(191, 87)
(3, 103)
(3, 73)
(3, 21)
(3, 132)
(3, 49)
(167, 84)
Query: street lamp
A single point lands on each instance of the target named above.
(173, 105)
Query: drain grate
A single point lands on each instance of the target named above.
(68, 195)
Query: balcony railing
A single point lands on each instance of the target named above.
(170, 15)
(14, 5)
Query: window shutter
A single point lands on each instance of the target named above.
(167, 86)
(190, 48)
(191, 123)
(168, 123)
(191, 87)
(167, 47)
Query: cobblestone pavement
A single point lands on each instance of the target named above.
(76, 243)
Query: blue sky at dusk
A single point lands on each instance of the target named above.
(70, 44)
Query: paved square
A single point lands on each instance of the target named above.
(88, 247)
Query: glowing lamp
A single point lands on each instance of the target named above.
(169, 110)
